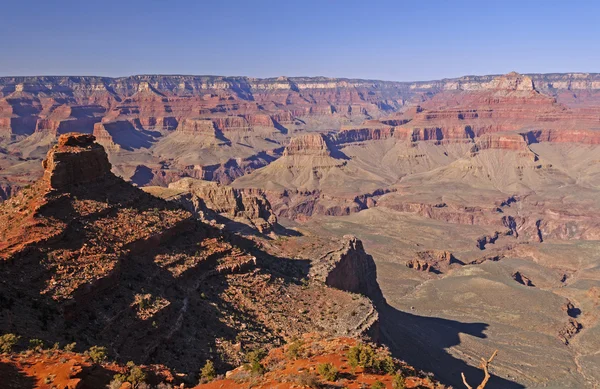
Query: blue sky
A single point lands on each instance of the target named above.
(389, 40)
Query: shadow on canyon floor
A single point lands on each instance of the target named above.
(12, 378)
(422, 342)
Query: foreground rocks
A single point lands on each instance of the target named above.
(95, 260)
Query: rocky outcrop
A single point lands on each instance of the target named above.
(522, 279)
(202, 197)
(371, 131)
(435, 261)
(76, 159)
(349, 268)
(569, 330)
(309, 144)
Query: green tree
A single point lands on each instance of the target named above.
(97, 354)
(208, 372)
(378, 385)
(294, 349)
(8, 341)
(399, 382)
(328, 371)
(36, 344)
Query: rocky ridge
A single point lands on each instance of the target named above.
(95, 260)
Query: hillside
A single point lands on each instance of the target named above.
(88, 258)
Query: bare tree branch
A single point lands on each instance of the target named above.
(465, 381)
(485, 366)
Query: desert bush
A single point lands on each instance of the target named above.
(115, 383)
(70, 347)
(256, 355)
(97, 354)
(310, 380)
(328, 371)
(257, 368)
(136, 374)
(36, 344)
(208, 372)
(8, 341)
(368, 358)
(254, 359)
(378, 385)
(386, 365)
(294, 349)
(399, 382)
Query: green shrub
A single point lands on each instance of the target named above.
(136, 374)
(256, 355)
(399, 382)
(36, 344)
(254, 359)
(294, 349)
(257, 368)
(378, 385)
(7, 342)
(328, 371)
(386, 365)
(208, 372)
(365, 356)
(97, 354)
(309, 380)
(70, 347)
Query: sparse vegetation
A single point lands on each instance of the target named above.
(378, 385)
(310, 380)
(36, 344)
(254, 359)
(208, 372)
(328, 371)
(97, 354)
(399, 382)
(371, 360)
(8, 341)
(134, 375)
(294, 349)
(70, 347)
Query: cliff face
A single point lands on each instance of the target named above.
(205, 198)
(309, 145)
(76, 159)
(63, 104)
(349, 268)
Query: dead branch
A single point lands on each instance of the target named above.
(485, 366)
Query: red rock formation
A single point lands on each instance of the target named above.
(314, 144)
(76, 159)
(350, 269)
(371, 131)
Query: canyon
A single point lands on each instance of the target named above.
(444, 219)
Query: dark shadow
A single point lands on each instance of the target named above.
(221, 136)
(280, 128)
(334, 150)
(125, 135)
(573, 312)
(24, 125)
(142, 176)
(174, 268)
(95, 376)
(422, 342)
(13, 378)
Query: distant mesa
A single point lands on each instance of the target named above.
(309, 144)
(513, 81)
